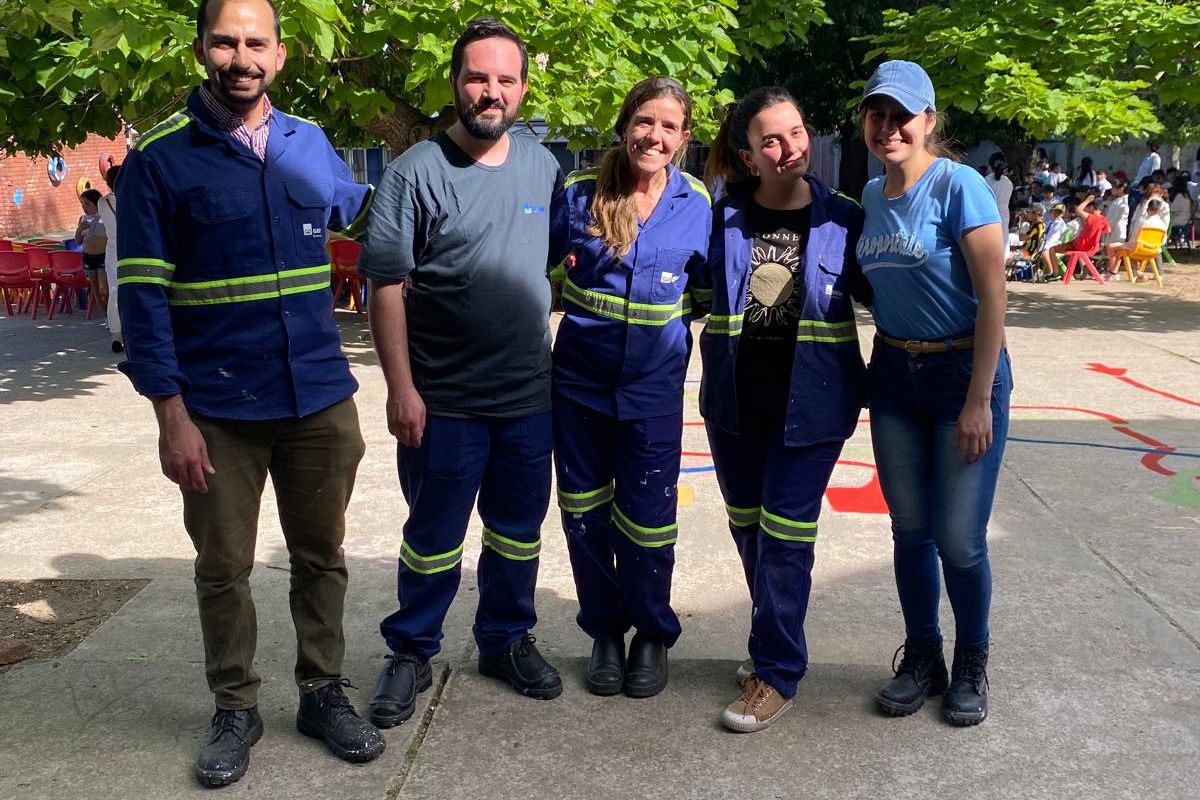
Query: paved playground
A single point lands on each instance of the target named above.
(1095, 671)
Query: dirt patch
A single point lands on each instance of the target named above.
(1183, 278)
(48, 618)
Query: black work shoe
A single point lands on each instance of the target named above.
(922, 672)
(606, 670)
(646, 669)
(966, 700)
(404, 676)
(326, 714)
(226, 754)
(522, 667)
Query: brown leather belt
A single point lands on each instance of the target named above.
(918, 347)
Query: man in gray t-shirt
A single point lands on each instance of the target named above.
(456, 251)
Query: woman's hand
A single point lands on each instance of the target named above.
(974, 429)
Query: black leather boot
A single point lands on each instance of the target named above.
(646, 669)
(522, 667)
(922, 672)
(966, 701)
(403, 677)
(326, 714)
(226, 755)
(606, 669)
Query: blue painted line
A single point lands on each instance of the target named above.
(697, 469)
(1103, 446)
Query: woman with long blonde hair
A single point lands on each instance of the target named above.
(638, 228)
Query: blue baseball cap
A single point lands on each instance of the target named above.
(903, 81)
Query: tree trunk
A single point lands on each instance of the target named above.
(407, 125)
(1019, 150)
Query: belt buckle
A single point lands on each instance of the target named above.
(913, 347)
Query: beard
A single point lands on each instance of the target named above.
(223, 83)
(480, 128)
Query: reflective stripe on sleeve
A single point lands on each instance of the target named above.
(810, 330)
(144, 270)
(789, 530)
(724, 325)
(645, 537)
(429, 565)
(579, 502)
(511, 548)
(228, 290)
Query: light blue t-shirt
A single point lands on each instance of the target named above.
(909, 251)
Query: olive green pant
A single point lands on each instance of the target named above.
(312, 463)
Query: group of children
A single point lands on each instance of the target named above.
(1094, 215)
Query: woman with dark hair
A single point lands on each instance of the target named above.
(1087, 174)
(784, 380)
(92, 236)
(638, 228)
(940, 382)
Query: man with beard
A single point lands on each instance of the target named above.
(224, 300)
(457, 244)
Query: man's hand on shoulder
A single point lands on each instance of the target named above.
(406, 416)
(181, 448)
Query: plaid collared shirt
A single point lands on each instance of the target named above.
(256, 140)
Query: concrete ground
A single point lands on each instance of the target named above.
(1095, 665)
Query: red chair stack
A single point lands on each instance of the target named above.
(15, 280)
(66, 270)
(343, 254)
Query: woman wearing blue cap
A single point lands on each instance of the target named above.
(940, 380)
(784, 380)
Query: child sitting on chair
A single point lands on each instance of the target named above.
(1053, 238)
(1154, 219)
(1092, 226)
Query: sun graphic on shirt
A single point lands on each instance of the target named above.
(772, 297)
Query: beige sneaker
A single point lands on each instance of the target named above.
(758, 707)
(745, 670)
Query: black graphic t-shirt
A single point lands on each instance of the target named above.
(774, 302)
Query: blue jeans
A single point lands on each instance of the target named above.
(940, 503)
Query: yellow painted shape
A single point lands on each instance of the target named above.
(686, 495)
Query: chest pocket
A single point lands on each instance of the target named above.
(308, 205)
(668, 276)
(830, 288)
(220, 206)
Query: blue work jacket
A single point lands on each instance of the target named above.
(828, 386)
(623, 343)
(222, 270)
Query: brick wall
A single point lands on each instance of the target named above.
(46, 208)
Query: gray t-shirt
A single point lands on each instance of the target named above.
(474, 241)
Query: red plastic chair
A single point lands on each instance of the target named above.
(343, 255)
(1074, 257)
(66, 271)
(39, 270)
(15, 280)
(6, 246)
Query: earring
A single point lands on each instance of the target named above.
(754, 171)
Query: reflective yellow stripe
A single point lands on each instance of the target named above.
(698, 185)
(618, 308)
(144, 270)
(787, 529)
(175, 122)
(742, 517)
(580, 175)
(645, 537)
(810, 330)
(359, 223)
(724, 325)
(251, 287)
(429, 565)
(579, 502)
(511, 548)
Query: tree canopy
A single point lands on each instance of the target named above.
(371, 71)
(1101, 69)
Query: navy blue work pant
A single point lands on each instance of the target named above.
(773, 498)
(617, 484)
(506, 463)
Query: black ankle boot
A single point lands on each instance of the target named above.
(327, 714)
(522, 667)
(226, 754)
(966, 700)
(922, 672)
(606, 669)
(646, 668)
